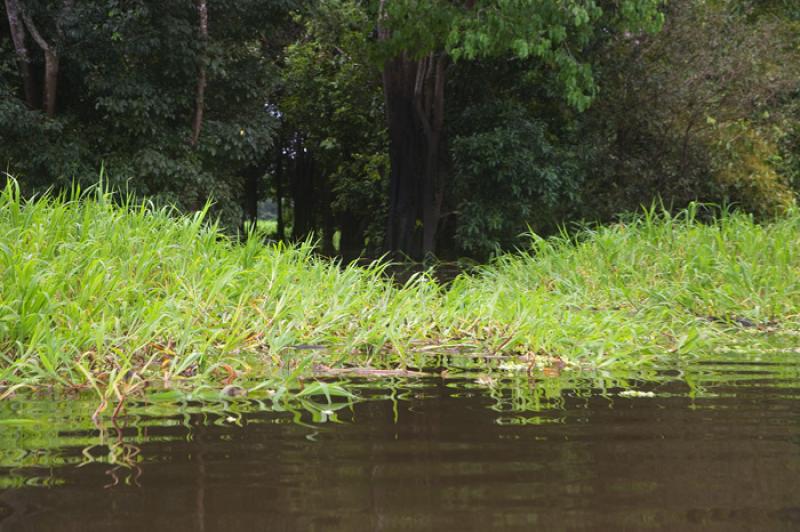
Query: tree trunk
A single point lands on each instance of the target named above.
(17, 29)
(252, 177)
(302, 190)
(281, 229)
(200, 92)
(406, 156)
(430, 107)
(351, 240)
(328, 222)
(51, 63)
(414, 94)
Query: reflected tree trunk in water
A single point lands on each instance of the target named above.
(200, 478)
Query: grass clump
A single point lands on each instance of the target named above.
(653, 290)
(99, 292)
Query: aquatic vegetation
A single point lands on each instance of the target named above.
(101, 293)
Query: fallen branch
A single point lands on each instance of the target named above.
(325, 371)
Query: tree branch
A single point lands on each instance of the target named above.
(51, 63)
(43, 44)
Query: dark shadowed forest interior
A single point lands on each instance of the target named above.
(414, 128)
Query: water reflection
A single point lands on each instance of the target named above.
(714, 445)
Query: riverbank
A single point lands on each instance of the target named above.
(117, 297)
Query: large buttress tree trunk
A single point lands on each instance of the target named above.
(414, 99)
(405, 150)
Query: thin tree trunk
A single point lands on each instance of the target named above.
(51, 64)
(279, 194)
(252, 178)
(328, 222)
(17, 28)
(302, 190)
(51, 67)
(200, 92)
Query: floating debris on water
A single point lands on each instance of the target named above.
(636, 393)
(511, 366)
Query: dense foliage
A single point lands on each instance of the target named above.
(126, 96)
(410, 127)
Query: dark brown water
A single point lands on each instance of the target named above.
(717, 450)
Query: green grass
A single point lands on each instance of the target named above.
(105, 294)
(268, 227)
(647, 291)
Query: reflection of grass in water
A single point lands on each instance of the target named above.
(102, 293)
(35, 434)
